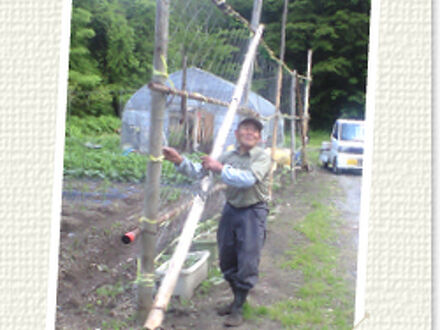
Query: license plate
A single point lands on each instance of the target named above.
(352, 162)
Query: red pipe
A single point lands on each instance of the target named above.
(129, 237)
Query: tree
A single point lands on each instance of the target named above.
(337, 31)
(117, 49)
(84, 75)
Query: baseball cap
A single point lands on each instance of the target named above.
(254, 121)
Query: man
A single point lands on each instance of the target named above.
(242, 228)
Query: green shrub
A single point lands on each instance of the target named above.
(91, 126)
(92, 150)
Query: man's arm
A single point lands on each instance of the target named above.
(231, 176)
(184, 165)
(237, 178)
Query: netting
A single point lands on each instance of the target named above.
(206, 48)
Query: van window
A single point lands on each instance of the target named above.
(352, 132)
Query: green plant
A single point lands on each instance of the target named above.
(116, 225)
(176, 138)
(114, 324)
(92, 150)
(109, 290)
(214, 277)
(169, 194)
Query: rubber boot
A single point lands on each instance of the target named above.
(226, 309)
(235, 318)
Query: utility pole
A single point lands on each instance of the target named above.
(148, 222)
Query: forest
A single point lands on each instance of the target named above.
(112, 42)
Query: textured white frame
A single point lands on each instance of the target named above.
(395, 290)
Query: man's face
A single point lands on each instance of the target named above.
(247, 135)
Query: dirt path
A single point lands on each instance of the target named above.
(97, 272)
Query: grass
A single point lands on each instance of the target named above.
(324, 300)
(316, 138)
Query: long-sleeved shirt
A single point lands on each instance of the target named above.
(245, 174)
(229, 175)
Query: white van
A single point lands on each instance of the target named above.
(346, 149)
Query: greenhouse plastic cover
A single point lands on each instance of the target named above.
(136, 114)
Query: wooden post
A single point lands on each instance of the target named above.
(304, 163)
(152, 182)
(183, 106)
(196, 128)
(168, 284)
(255, 21)
(292, 125)
(278, 96)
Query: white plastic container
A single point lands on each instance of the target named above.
(189, 278)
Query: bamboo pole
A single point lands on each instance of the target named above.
(278, 96)
(183, 104)
(196, 127)
(292, 125)
(255, 21)
(168, 284)
(304, 163)
(163, 217)
(199, 97)
(186, 205)
(152, 182)
(172, 213)
(228, 10)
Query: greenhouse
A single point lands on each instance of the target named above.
(203, 119)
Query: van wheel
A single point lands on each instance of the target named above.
(324, 164)
(335, 168)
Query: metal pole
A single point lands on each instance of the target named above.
(154, 166)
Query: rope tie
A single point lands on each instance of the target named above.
(146, 279)
(164, 73)
(154, 159)
(150, 221)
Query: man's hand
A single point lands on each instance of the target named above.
(172, 155)
(211, 164)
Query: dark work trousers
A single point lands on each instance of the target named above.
(240, 237)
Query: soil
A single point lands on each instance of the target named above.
(97, 271)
